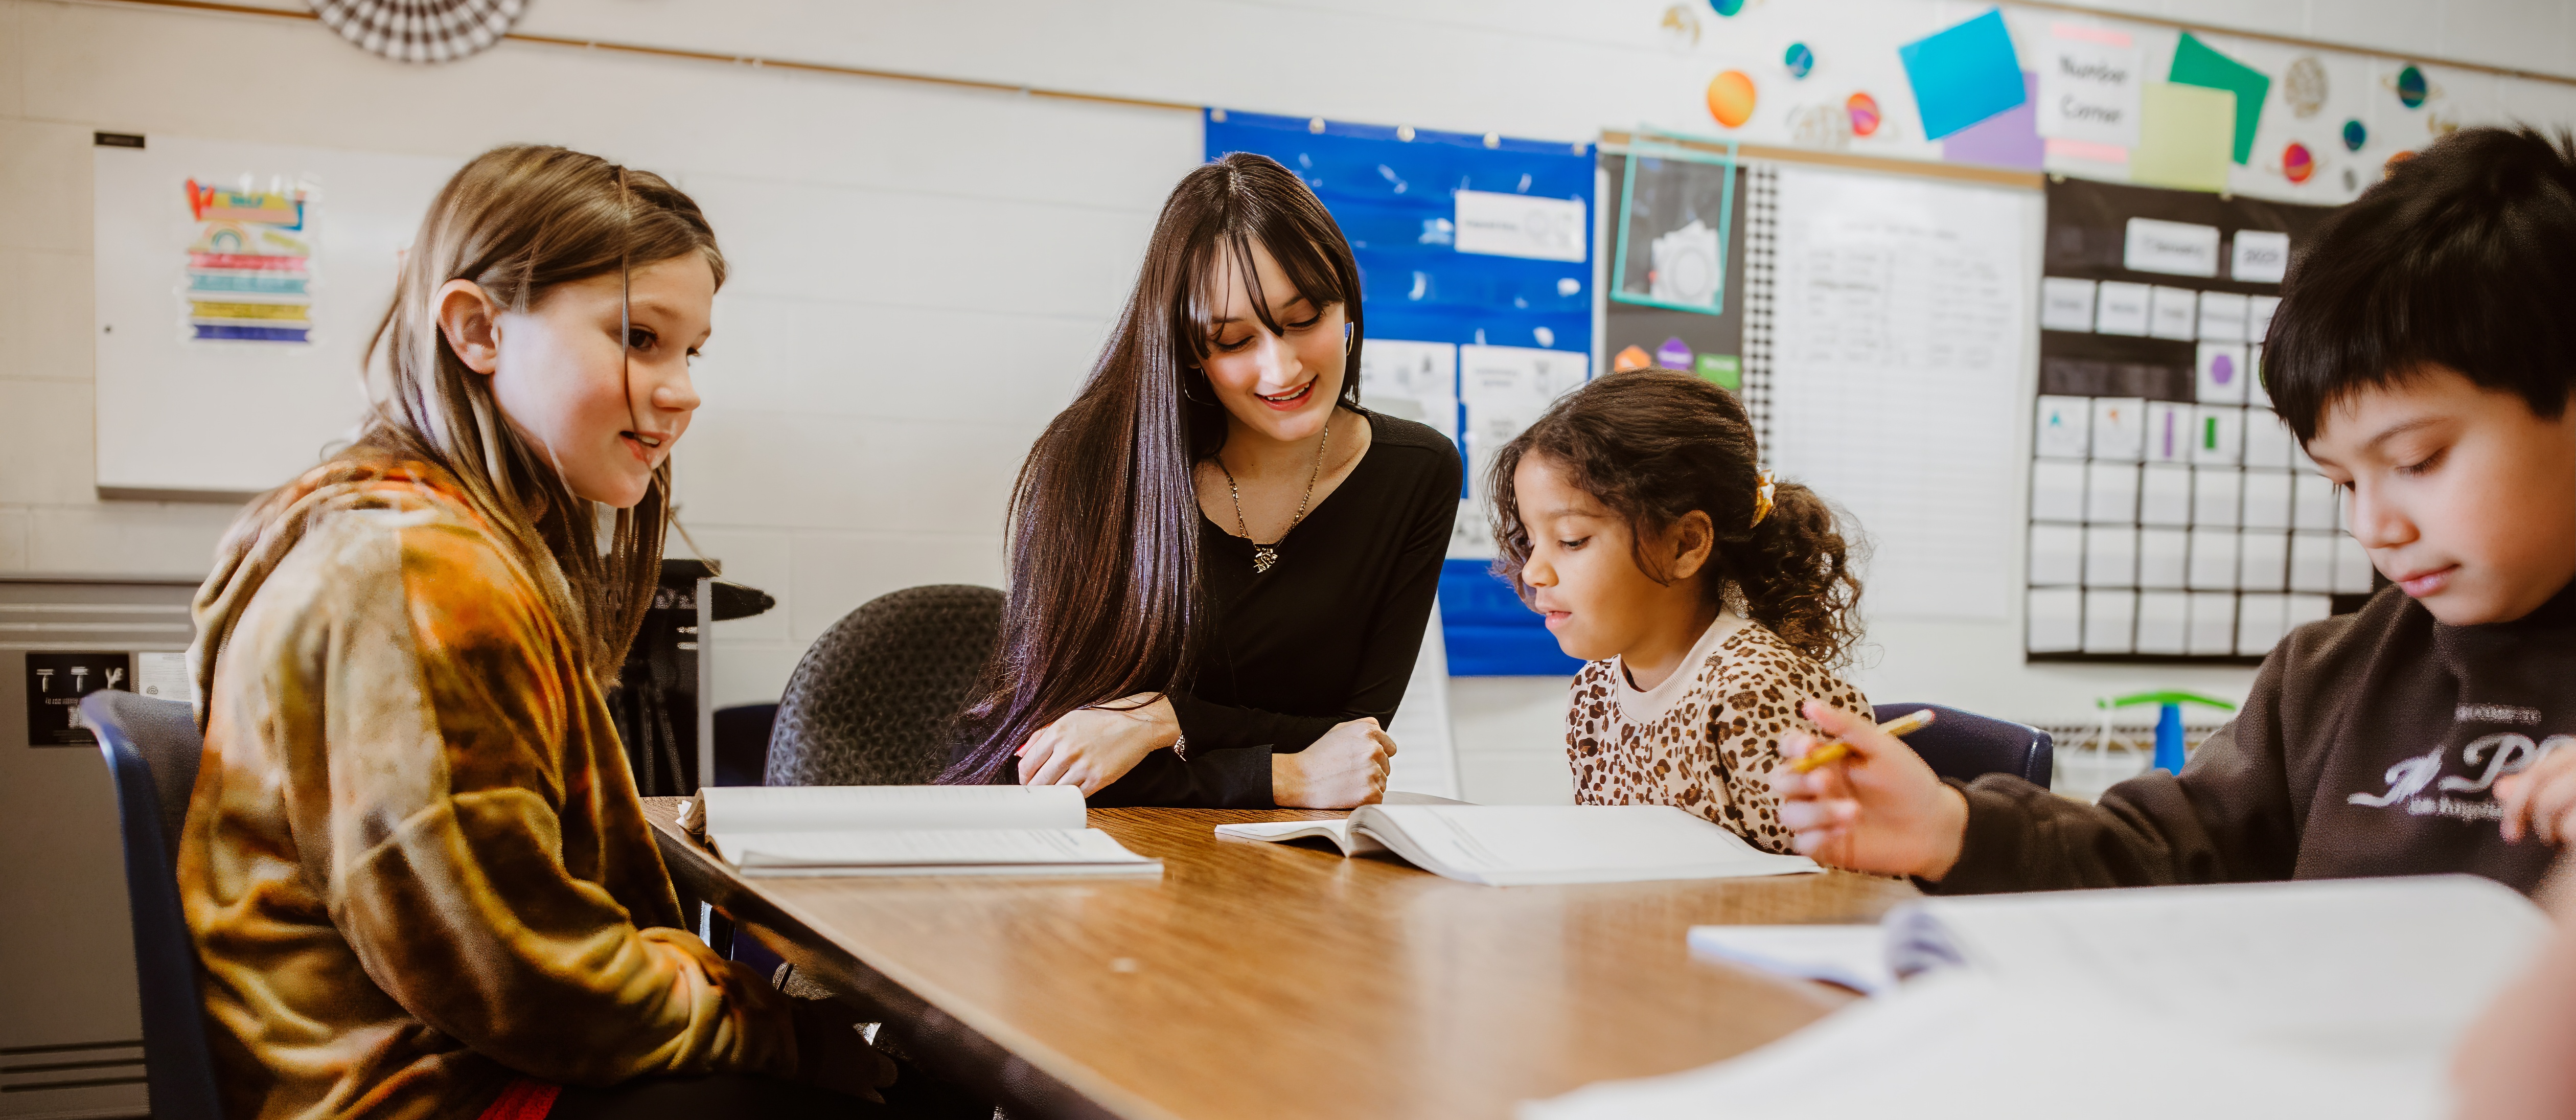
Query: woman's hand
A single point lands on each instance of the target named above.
(831, 1054)
(1098, 745)
(1345, 768)
(1879, 809)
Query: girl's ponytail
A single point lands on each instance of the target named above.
(1795, 572)
(1654, 445)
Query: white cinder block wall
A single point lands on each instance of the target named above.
(921, 273)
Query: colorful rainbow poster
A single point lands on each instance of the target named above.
(250, 265)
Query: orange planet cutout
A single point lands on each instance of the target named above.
(1864, 113)
(1730, 98)
(1632, 358)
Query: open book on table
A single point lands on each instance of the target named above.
(908, 830)
(2336, 998)
(1523, 845)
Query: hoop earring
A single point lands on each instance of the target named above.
(1185, 386)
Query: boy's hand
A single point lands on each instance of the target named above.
(1879, 809)
(2541, 800)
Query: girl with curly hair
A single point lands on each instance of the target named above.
(1709, 599)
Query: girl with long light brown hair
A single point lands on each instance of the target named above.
(414, 865)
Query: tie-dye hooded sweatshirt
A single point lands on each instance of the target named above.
(414, 864)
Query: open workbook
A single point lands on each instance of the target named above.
(909, 830)
(2339, 998)
(1526, 845)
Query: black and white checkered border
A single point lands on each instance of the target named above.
(1761, 239)
(421, 30)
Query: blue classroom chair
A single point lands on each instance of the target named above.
(1965, 745)
(152, 750)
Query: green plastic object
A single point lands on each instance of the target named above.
(2169, 756)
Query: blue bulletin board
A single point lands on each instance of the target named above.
(1474, 251)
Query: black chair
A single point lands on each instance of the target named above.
(874, 700)
(742, 743)
(1965, 745)
(152, 750)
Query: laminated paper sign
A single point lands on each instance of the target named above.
(2088, 89)
(1520, 225)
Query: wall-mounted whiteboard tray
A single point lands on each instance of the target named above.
(233, 316)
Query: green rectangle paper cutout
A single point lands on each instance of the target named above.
(2195, 64)
(1726, 370)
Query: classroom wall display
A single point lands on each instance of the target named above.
(237, 287)
(1641, 333)
(1477, 267)
(1897, 329)
(2173, 517)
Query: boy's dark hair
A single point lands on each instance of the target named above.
(2463, 257)
(1653, 445)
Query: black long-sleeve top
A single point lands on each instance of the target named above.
(1328, 634)
(2370, 746)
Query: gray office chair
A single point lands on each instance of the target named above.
(874, 700)
(152, 750)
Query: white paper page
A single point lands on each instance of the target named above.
(743, 809)
(2057, 490)
(2110, 556)
(2119, 428)
(2123, 309)
(1852, 956)
(2056, 619)
(2065, 305)
(2169, 433)
(1414, 380)
(2173, 312)
(2110, 621)
(1337, 830)
(924, 848)
(2305, 962)
(1524, 844)
(2111, 492)
(1959, 1047)
(2056, 554)
(2164, 496)
(2213, 623)
(2267, 500)
(2163, 621)
(1902, 327)
(2065, 428)
(2213, 560)
(2163, 555)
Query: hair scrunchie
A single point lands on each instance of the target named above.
(1762, 498)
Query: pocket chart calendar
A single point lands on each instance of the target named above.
(2172, 515)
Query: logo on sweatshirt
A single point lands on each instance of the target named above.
(2496, 713)
(2491, 756)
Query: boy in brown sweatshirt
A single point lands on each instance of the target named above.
(2424, 353)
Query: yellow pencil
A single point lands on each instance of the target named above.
(1900, 727)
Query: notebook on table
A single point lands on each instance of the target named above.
(2339, 998)
(908, 830)
(1524, 845)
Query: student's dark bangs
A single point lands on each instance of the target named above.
(2464, 258)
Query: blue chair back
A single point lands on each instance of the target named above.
(152, 750)
(1965, 745)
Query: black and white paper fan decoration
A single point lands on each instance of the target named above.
(421, 30)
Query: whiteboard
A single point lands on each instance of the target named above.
(1902, 339)
(180, 415)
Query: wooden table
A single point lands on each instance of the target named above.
(1271, 980)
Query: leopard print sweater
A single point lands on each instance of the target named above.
(1706, 743)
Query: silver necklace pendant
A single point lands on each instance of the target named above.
(1263, 556)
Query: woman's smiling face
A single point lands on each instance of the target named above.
(1279, 384)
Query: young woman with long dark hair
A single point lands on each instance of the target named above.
(1221, 565)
